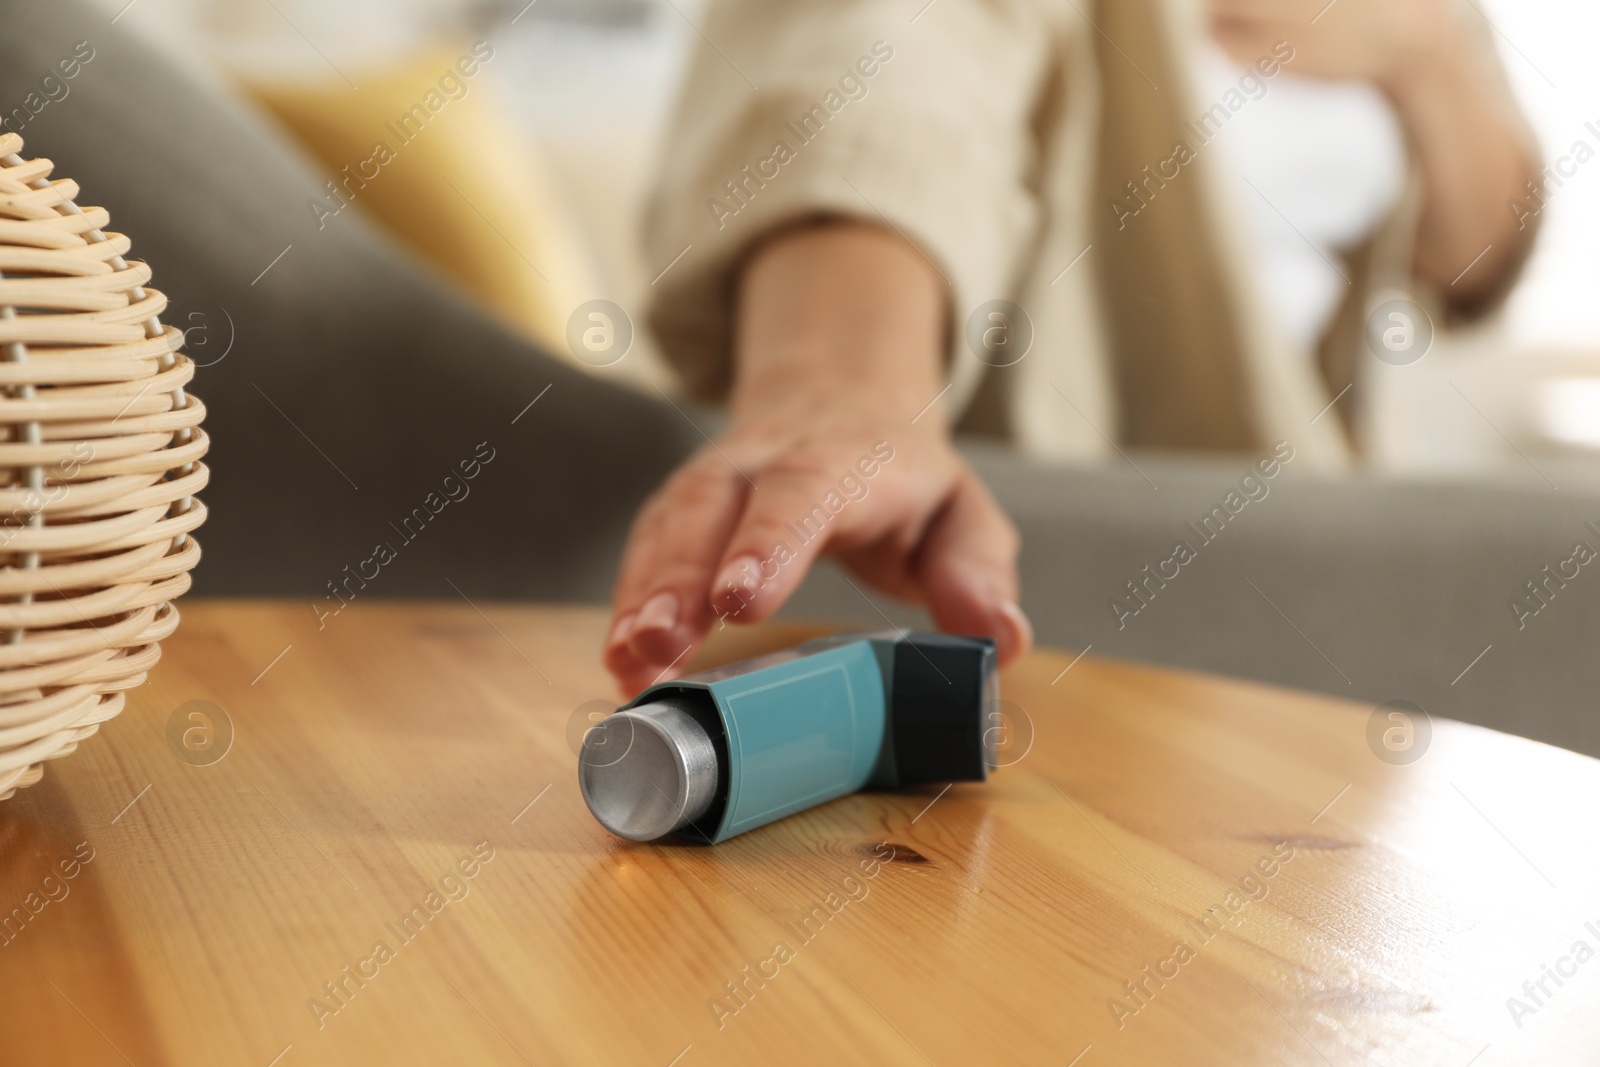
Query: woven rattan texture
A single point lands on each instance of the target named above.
(100, 449)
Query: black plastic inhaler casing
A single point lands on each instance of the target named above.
(719, 753)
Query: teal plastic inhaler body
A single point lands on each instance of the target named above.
(718, 753)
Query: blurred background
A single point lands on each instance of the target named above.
(567, 118)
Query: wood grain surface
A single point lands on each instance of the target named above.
(391, 864)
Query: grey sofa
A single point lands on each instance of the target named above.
(355, 381)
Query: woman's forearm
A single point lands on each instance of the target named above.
(838, 311)
(1475, 160)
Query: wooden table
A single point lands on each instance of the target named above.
(375, 760)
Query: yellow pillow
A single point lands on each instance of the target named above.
(423, 148)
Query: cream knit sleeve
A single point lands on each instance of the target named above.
(846, 107)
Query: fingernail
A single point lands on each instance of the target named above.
(1016, 632)
(660, 612)
(737, 583)
(621, 628)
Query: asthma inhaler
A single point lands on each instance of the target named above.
(715, 754)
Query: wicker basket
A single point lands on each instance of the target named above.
(100, 452)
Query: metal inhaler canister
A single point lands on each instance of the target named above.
(715, 754)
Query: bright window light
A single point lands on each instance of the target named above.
(1569, 410)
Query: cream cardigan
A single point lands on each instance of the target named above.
(1035, 157)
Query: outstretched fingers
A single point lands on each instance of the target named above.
(660, 609)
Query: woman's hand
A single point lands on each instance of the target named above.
(839, 351)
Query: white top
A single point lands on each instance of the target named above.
(1327, 160)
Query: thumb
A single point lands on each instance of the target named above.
(968, 570)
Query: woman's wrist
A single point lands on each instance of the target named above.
(841, 316)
